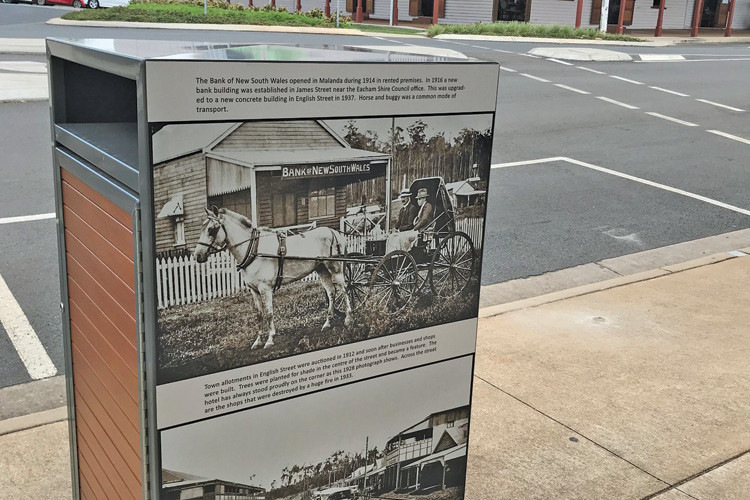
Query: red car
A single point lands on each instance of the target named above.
(75, 3)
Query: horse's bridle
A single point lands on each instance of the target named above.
(212, 249)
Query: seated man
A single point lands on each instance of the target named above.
(406, 240)
(426, 212)
(407, 214)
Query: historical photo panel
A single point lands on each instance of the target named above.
(278, 238)
(393, 436)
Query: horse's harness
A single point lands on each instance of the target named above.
(252, 249)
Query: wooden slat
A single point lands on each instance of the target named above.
(87, 343)
(89, 477)
(93, 256)
(123, 346)
(108, 252)
(98, 293)
(98, 461)
(113, 399)
(122, 446)
(106, 225)
(107, 206)
(117, 456)
(101, 284)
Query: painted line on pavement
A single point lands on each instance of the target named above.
(628, 177)
(661, 57)
(612, 101)
(584, 68)
(712, 103)
(626, 80)
(572, 89)
(27, 218)
(729, 136)
(509, 70)
(669, 91)
(671, 119)
(716, 60)
(23, 337)
(532, 56)
(560, 62)
(534, 77)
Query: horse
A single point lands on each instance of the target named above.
(258, 253)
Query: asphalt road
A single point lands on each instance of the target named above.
(658, 166)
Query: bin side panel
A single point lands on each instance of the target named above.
(99, 257)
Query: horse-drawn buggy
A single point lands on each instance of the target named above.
(437, 258)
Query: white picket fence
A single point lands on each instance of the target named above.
(181, 280)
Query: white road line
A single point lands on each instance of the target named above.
(534, 77)
(528, 162)
(719, 105)
(669, 118)
(628, 177)
(22, 335)
(661, 57)
(669, 91)
(504, 51)
(573, 89)
(730, 136)
(531, 56)
(584, 68)
(715, 60)
(612, 101)
(560, 62)
(509, 70)
(26, 218)
(626, 80)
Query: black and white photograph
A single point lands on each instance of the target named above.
(399, 436)
(275, 238)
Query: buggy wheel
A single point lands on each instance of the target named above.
(394, 282)
(453, 265)
(357, 287)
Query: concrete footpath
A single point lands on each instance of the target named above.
(632, 388)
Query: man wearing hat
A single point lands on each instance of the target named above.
(424, 216)
(407, 214)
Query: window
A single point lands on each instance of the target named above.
(322, 203)
(451, 423)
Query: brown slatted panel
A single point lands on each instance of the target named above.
(99, 256)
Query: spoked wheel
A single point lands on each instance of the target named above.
(77, 4)
(394, 282)
(40, 2)
(453, 265)
(357, 277)
(93, 4)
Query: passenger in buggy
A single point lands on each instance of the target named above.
(407, 214)
(424, 216)
(409, 240)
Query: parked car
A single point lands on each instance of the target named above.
(75, 3)
(95, 4)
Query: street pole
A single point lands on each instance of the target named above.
(205, 7)
(697, 15)
(390, 23)
(604, 17)
(338, 9)
(621, 17)
(730, 18)
(660, 19)
(367, 445)
(395, 12)
(435, 11)
(579, 13)
(360, 15)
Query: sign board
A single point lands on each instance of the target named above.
(291, 362)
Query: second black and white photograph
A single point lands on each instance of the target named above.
(402, 436)
(276, 238)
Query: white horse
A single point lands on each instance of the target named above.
(256, 252)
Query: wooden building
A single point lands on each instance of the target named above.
(280, 174)
(181, 486)
(430, 454)
(639, 14)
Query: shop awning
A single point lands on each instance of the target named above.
(449, 454)
(271, 158)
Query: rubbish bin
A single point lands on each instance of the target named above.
(229, 330)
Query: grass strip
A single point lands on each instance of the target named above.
(193, 14)
(515, 28)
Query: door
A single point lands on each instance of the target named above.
(614, 12)
(284, 210)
